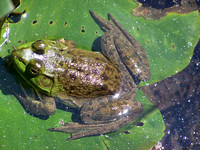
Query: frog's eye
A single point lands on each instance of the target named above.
(34, 68)
(39, 46)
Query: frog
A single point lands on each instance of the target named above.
(100, 84)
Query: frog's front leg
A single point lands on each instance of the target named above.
(102, 116)
(46, 106)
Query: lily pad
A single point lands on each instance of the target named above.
(172, 38)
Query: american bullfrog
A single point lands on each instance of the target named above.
(101, 85)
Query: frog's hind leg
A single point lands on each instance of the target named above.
(81, 130)
(110, 116)
(125, 33)
(131, 52)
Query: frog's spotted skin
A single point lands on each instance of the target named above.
(100, 85)
(72, 72)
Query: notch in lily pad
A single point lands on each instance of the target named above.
(15, 17)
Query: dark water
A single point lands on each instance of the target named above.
(178, 97)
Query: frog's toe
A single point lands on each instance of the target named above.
(51, 129)
(77, 130)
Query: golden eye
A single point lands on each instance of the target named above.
(34, 68)
(39, 46)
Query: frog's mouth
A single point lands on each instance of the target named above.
(42, 83)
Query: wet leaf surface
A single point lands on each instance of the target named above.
(172, 38)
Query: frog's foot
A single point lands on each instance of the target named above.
(82, 130)
(77, 130)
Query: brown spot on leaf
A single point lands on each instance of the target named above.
(173, 46)
(21, 41)
(82, 29)
(51, 22)
(34, 22)
(66, 23)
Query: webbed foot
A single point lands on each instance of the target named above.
(82, 130)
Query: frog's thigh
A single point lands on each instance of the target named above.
(105, 111)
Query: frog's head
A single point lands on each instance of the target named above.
(29, 60)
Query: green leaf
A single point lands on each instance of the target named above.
(6, 6)
(169, 44)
